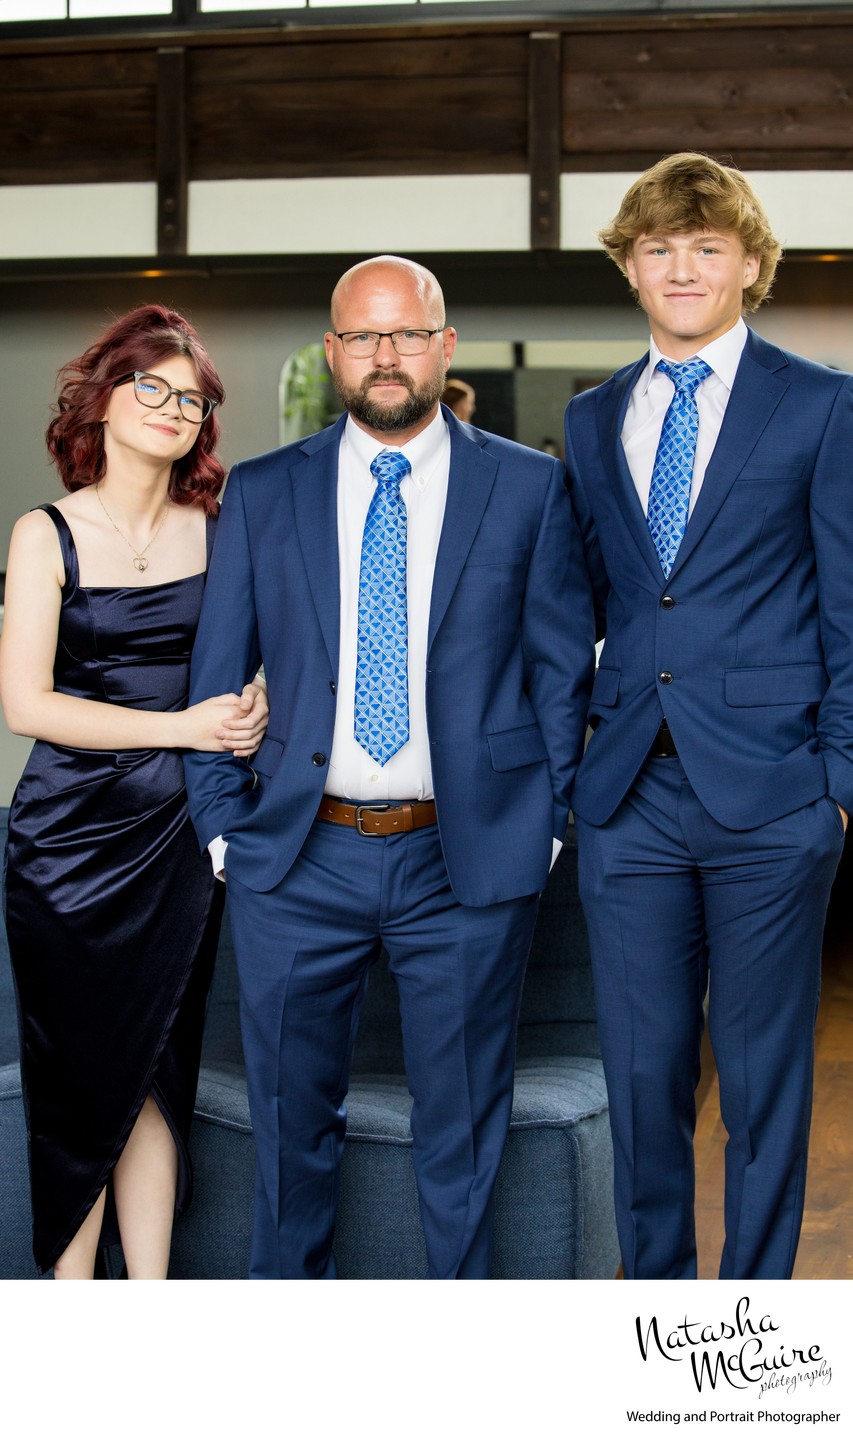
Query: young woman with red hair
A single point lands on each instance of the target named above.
(112, 913)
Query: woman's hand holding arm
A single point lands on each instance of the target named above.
(243, 733)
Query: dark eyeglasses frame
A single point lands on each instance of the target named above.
(387, 334)
(138, 374)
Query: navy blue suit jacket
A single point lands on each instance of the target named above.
(508, 669)
(750, 657)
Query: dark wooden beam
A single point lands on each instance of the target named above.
(312, 108)
(544, 138)
(172, 152)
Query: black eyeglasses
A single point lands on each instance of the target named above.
(363, 344)
(154, 392)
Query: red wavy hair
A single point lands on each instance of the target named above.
(139, 340)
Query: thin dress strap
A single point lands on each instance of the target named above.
(66, 544)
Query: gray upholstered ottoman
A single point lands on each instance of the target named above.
(16, 1254)
(553, 1200)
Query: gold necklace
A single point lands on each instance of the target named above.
(139, 560)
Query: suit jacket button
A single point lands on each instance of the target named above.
(333, 686)
(318, 759)
(665, 677)
(667, 602)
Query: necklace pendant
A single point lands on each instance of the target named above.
(140, 563)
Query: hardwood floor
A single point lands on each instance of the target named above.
(826, 1244)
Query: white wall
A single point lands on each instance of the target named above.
(808, 209)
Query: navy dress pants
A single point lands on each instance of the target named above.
(676, 903)
(304, 951)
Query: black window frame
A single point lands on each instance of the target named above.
(187, 16)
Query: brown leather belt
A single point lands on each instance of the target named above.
(378, 820)
(664, 744)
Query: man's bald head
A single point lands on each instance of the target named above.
(385, 273)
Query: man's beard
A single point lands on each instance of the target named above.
(394, 418)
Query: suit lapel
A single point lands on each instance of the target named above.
(612, 407)
(315, 502)
(472, 476)
(759, 385)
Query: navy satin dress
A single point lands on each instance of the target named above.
(112, 913)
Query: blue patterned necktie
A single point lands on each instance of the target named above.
(382, 664)
(672, 476)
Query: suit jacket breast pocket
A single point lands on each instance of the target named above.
(495, 557)
(783, 473)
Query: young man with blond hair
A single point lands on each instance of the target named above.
(712, 485)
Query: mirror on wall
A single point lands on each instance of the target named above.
(306, 397)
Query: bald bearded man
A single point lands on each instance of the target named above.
(415, 591)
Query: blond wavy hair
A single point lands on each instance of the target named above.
(690, 191)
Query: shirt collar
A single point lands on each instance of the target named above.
(421, 452)
(723, 355)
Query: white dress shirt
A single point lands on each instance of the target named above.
(652, 396)
(352, 773)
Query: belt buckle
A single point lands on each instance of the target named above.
(369, 808)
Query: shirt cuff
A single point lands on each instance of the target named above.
(217, 849)
(555, 851)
